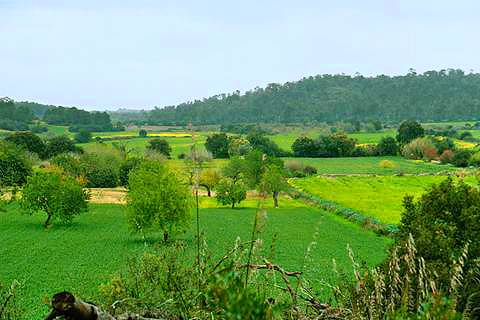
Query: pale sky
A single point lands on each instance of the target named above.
(140, 54)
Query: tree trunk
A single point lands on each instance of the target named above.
(165, 236)
(233, 205)
(65, 305)
(209, 192)
(275, 199)
(47, 222)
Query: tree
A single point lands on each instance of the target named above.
(218, 144)
(234, 169)
(60, 144)
(26, 139)
(157, 199)
(260, 142)
(273, 181)
(126, 167)
(142, 133)
(461, 158)
(161, 146)
(231, 192)
(387, 146)
(14, 165)
(59, 196)
(239, 147)
(209, 179)
(442, 222)
(83, 136)
(304, 147)
(408, 131)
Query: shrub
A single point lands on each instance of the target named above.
(387, 164)
(239, 147)
(59, 196)
(387, 146)
(465, 135)
(447, 156)
(260, 142)
(70, 163)
(83, 136)
(142, 133)
(14, 165)
(29, 141)
(157, 200)
(475, 160)
(309, 170)
(126, 167)
(218, 145)
(461, 158)
(420, 148)
(304, 147)
(161, 146)
(60, 144)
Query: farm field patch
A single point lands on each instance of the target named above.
(85, 254)
(378, 197)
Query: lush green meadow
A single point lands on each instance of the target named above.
(85, 254)
(379, 197)
(371, 165)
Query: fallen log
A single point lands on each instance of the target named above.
(64, 304)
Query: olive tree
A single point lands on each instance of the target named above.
(231, 192)
(57, 195)
(157, 199)
(209, 179)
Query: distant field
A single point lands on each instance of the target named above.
(378, 197)
(285, 140)
(80, 257)
(371, 165)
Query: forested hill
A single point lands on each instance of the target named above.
(433, 95)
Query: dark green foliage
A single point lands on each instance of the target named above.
(91, 121)
(461, 158)
(304, 147)
(218, 144)
(83, 136)
(70, 163)
(255, 163)
(387, 147)
(161, 146)
(260, 142)
(14, 117)
(101, 176)
(434, 95)
(332, 146)
(14, 165)
(142, 133)
(442, 144)
(408, 131)
(59, 196)
(125, 168)
(38, 128)
(60, 144)
(29, 141)
(442, 222)
(231, 192)
(466, 135)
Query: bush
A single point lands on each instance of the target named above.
(260, 142)
(447, 156)
(475, 160)
(142, 133)
(161, 146)
(83, 136)
(60, 144)
(387, 164)
(218, 145)
(367, 150)
(461, 158)
(304, 147)
(29, 141)
(59, 196)
(387, 147)
(309, 170)
(14, 165)
(420, 148)
(465, 135)
(126, 167)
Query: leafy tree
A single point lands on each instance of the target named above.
(14, 165)
(254, 166)
(461, 158)
(273, 181)
(83, 136)
(231, 192)
(218, 145)
(442, 222)
(142, 133)
(408, 131)
(234, 169)
(126, 167)
(335, 145)
(157, 199)
(26, 139)
(209, 179)
(59, 196)
(304, 147)
(60, 144)
(387, 146)
(239, 147)
(161, 146)
(260, 142)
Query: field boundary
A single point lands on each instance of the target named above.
(354, 216)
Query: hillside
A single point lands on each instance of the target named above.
(431, 96)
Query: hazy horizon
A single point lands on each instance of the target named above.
(142, 54)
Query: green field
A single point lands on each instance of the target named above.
(371, 165)
(378, 197)
(82, 256)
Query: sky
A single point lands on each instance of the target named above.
(105, 55)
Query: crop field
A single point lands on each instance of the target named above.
(85, 254)
(378, 197)
(371, 165)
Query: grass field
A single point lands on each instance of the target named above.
(82, 256)
(378, 197)
(370, 165)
